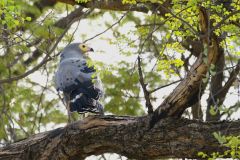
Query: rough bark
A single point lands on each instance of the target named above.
(195, 46)
(196, 111)
(128, 136)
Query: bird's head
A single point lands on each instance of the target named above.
(85, 48)
(75, 50)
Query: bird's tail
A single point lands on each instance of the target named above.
(81, 103)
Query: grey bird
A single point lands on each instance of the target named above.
(78, 81)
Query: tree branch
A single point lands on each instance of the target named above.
(116, 5)
(221, 94)
(117, 22)
(144, 87)
(163, 86)
(128, 136)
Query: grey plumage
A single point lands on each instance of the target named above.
(81, 87)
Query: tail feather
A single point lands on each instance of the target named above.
(81, 103)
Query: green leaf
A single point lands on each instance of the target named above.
(212, 111)
(205, 80)
(205, 60)
(205, 51)
(28, 18)
(203, 155)
(213, 73)
(221, 139)
(16, 22)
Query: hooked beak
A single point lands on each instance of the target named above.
(91, 49)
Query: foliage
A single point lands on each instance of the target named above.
(231, 142)
(82, 1)
(11, 17)
(122, 97)
(26, 107)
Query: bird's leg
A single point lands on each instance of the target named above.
(100, 108)
(70, 119)
(69, 113)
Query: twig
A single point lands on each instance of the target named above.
(40, 102)
(233, 108)
(103, 157)
(118, 21)
(144, 87)
(156, 89)
(228, 84)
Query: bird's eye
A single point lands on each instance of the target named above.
(83, 46)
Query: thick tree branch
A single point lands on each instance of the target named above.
(196, 110)
(195, 46)
(116, 5)
(128, 136)
(44, 3)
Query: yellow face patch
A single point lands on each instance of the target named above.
(84, 48)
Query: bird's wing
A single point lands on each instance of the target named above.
(74, 73)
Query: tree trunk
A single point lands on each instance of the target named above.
(128, 136)
(215, 87)
(196, 111)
